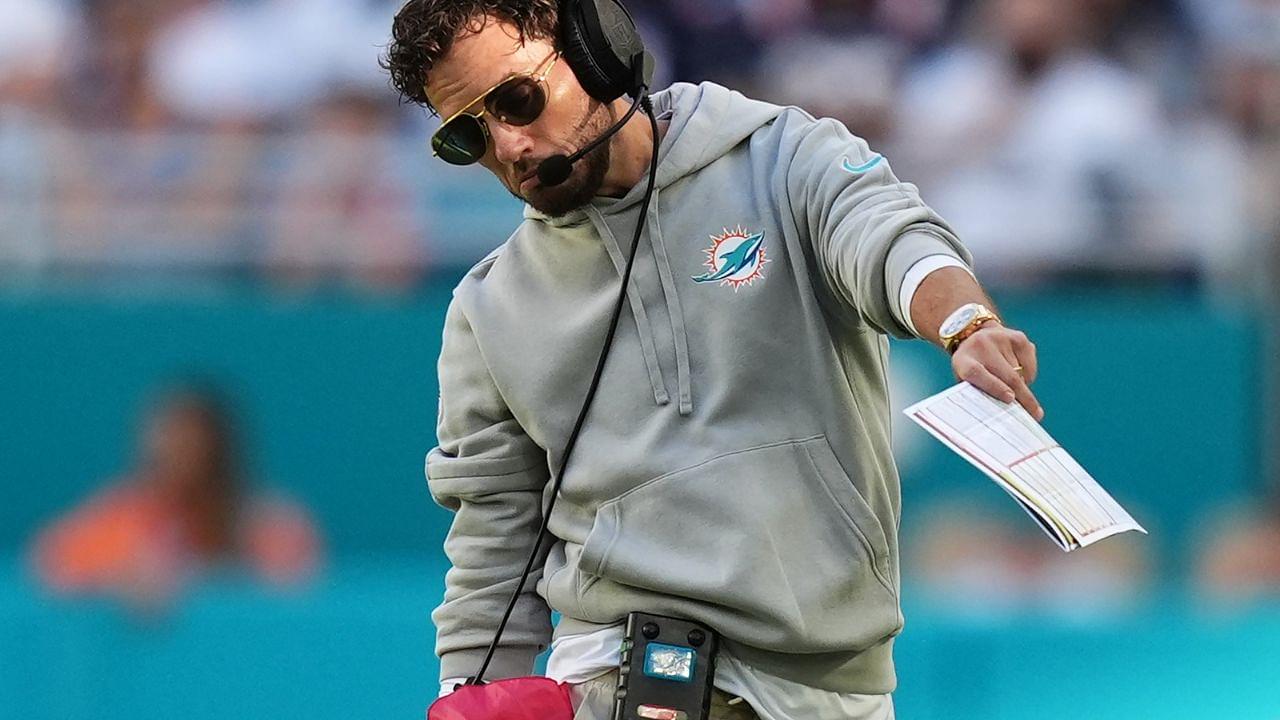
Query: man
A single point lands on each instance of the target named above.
(735, 468)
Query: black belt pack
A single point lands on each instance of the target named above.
(667, 669)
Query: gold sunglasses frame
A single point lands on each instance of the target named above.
(538, 75)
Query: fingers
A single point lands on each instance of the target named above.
(1014, 380)
(983, 379)
(1002, 363)
(1024, 352)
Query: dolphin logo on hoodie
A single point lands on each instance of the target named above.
(735, 258)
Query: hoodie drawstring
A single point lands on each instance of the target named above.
(706, 121)
(641, 318)
(674, 311)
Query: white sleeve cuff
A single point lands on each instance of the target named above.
(916, 275)
(447, 685)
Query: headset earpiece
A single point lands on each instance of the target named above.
(600, 42)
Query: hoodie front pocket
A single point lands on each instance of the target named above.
(775, 539)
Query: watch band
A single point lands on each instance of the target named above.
(952, 343)
(979, 316)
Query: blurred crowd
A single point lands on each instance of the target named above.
(1058, 136)
(201, 134)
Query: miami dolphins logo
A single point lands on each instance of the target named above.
(735, 259)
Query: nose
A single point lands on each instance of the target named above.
(510, 144)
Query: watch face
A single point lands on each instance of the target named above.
(959, 320)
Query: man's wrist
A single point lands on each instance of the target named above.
(916, 276)
(963, 322)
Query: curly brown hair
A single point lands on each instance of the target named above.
(425, 30)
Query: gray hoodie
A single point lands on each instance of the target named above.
(735, 468)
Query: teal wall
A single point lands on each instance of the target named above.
(359, 646)
(1157, 393)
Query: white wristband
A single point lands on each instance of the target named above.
(915, 276)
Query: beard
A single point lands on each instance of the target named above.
(588, 173)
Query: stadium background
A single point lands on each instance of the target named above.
(229, 189)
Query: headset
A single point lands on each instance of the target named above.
(601, 44)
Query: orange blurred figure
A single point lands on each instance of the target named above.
(1239, 559)
(184, 510)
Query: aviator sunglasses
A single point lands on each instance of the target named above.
(463, 139)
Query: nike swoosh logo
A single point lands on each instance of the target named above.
(859, 169)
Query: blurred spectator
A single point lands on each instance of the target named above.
(112, 84)
(977, 559)
(1039, 149)
(158, 200)
(1240, 556)
(186, 508)
(35, 42)
(708, 39)
(842, 59)
(1240, 113)
(342, 209)
(814, 72)
(133, 186)
(268, 60)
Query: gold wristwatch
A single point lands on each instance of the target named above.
(964, 322)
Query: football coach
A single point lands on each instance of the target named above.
(742, 264)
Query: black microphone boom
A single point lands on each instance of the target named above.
(557, 168)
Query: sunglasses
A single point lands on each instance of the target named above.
(463, 139)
